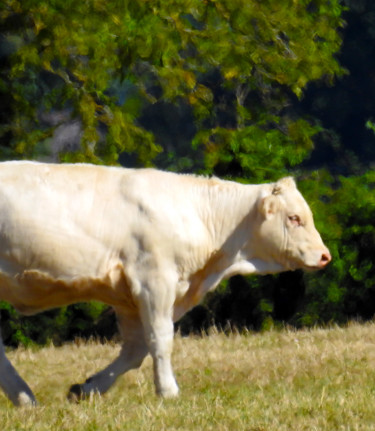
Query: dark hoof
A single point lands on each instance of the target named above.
(76, 393)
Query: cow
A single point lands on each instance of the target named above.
(148, 243)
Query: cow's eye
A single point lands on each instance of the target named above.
(295, 220)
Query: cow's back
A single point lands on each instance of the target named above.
(52, 215)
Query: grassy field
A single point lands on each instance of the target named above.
(323, 379)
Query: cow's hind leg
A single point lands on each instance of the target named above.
(12, 384)
(134, 350)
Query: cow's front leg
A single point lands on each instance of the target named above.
(134, 350)
(160, 342)
(157, 320)
(12, 384)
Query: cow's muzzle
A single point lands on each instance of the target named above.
(325, 259)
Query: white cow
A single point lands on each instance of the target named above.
(148, 243)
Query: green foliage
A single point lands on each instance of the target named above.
(346, 289)
(262, 153)
(68, 56)
(72, 56)
(66, 323)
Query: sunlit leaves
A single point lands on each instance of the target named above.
(264, 152)
(260, 47)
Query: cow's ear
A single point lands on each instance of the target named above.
(269, 206)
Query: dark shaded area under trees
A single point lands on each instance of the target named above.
(251, 111)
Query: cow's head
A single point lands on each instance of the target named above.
(287, 233)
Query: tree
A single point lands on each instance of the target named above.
(234, 63)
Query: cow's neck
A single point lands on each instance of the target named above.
(230, 215)
(230, 212)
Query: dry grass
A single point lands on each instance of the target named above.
(322, 379)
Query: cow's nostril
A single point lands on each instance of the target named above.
(325, 259)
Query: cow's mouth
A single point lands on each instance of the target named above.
(312, 268)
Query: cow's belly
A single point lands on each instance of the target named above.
(32, 291)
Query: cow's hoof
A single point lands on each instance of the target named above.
(76, 393)
(25, 400)
(169, 392)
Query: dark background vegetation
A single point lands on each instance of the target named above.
(246, 90)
